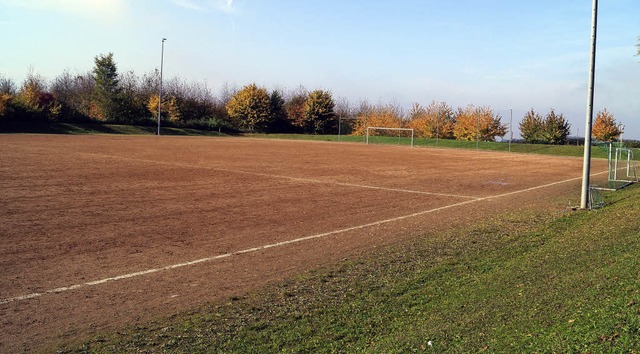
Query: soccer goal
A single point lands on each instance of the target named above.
(623, 169)
(383, 135)
(622, 166)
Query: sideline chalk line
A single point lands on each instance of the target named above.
(278, 244)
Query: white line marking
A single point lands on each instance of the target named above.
(295, 179)
(278, 244)
(300, 179)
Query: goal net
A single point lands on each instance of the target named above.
(622, 166)
(383, 135)
(623, 169)
(596, 201)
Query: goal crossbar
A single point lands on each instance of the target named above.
(392, 129)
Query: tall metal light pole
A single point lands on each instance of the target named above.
(160, 94)
(478, 134)
(437, 128)
(584, 200)
(510, 127)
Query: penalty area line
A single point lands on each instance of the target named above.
(273, 245)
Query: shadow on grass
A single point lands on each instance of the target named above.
(36, 127)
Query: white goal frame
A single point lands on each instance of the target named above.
(623, 170)
(625, 163)
(393, 129)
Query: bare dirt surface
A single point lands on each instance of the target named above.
(76, 211)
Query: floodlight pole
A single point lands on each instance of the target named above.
(584, 200)
(510, 127)
(437, 129)
(478, 134)
(160, 93)
(366, 140)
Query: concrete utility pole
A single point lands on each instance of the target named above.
(160, 94)
(584, 200)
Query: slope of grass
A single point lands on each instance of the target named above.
(86, 128)
(521, 282)
(557, 150)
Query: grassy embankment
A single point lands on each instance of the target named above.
(77, 128)
(556, 150)
(520, 282)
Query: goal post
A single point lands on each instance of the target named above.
(340, 130)
(622, 167)
(391, 132)
(623, 171)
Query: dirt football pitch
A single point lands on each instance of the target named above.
(102, 232)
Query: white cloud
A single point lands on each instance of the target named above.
(106, 10)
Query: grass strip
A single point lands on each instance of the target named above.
(520, 282)
(86, 128)
(542, 149)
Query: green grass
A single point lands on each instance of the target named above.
(85, 128)
(556, 150)
(519, 282)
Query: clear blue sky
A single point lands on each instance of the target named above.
(503, 53)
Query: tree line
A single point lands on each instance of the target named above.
(104, 95)
(554, 129)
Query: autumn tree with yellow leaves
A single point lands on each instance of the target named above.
(170, 109)
(433, 121)
(34, 99)
(30, 91)
(387, 116)
(319, 117)
(605, 127)
(5, 104)
(250, 108)
(478, 123)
